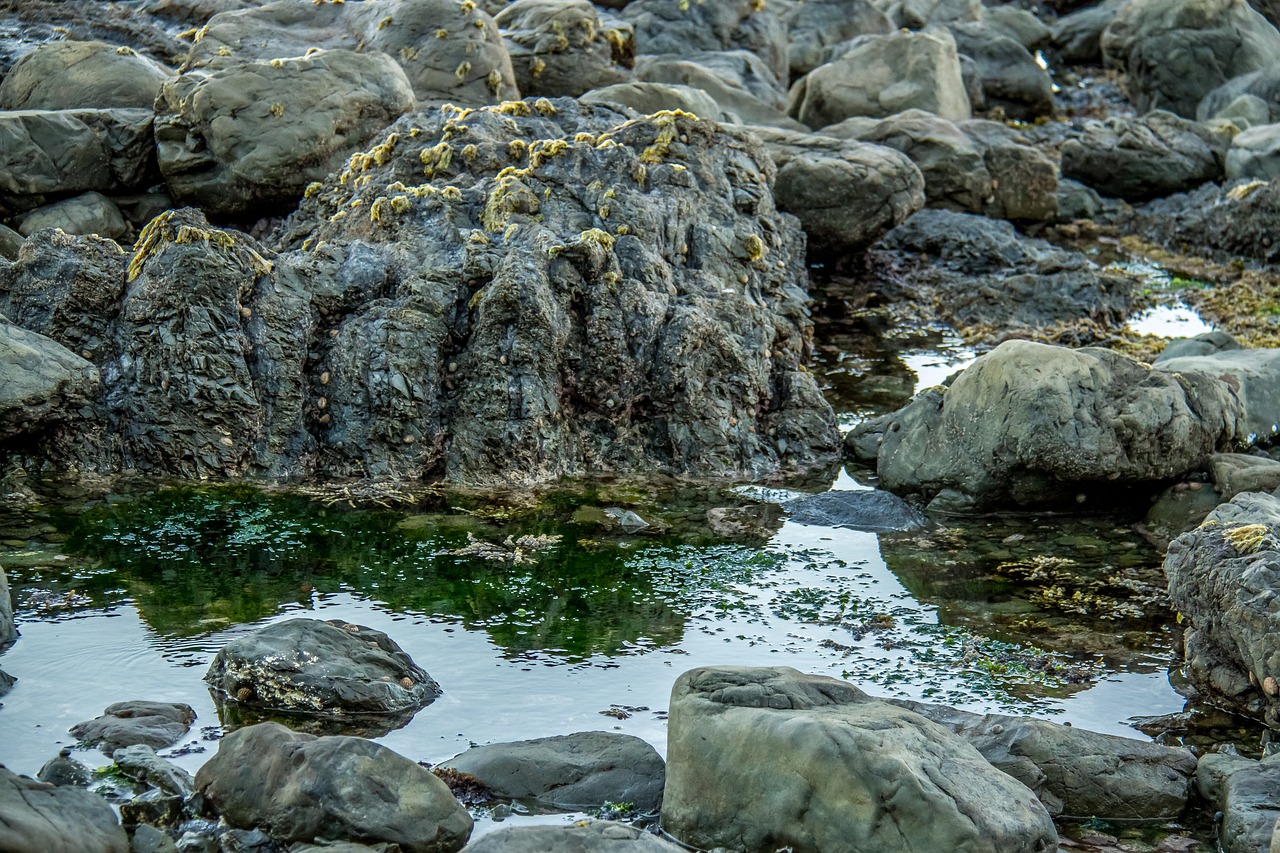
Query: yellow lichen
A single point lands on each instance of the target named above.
(545, 107)
(463, 69)
(277, 109)
(401, 204)
(408, 54)
(313, 189)
(161, 230)
(470, 152)
(495, 81)
(436, 158)
(514, 108)
(517, 148)
(467, 7)
(755, 248)
(276, 63)
(451, 194)
(1247, 538)
(385, 22)
(1243, 191)
(597, 237)
(536, 66)
(126, 51)
(442, 34)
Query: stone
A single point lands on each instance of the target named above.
(1009, 75)
(1243, 111)
(1077, 37)
(10, 243)
(80, 75)
(1243, 790)
(140, 763)
(1234, 473)
(825, 767)
(1253, 374)
(882, 75)
(865, 509)
(64, 770)
(1255, 154)
(154, 724)
(91, 213)
(6, 683)
(298, 788)
(1018, 24)
(1255, 95)
(41, 382)
(1206, 343)
(565, 47)
(41, 818)
(1024, 179)
(918, 14)
(150, 839)
(584, 770)
(1176, 510)
(1174, 52)
(1077, 201)
(678, 27)
(1030, 424)
(53, 152)
(814, 26)
(1223, 222)
(739, 81)
(649, 98)
(8, 629)
(254, 134)
(589, 837)
(1139, 159)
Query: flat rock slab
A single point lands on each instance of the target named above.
(873, 510)
(36, 817)
(155, 724)
(597, 837)
(140, 763)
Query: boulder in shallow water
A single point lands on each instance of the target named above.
(863, 509)
(8, 630)
(65, 770)
(37, 817)
(155, 724)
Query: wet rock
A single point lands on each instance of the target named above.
(565, 47)
(1074, 771)
(6, 683)
(1245, 792)
(863, 441)
(1024, 179)
(298, 788)
(1138, 159)
(859, 773)
(1253, 374)
(1178, 509)
(1234, 473)
(91, 213)
(41, 382)
(1077, 201)
(1223, 580)
(79, 75)
(745, 523)
(328, 669)
(816, 25)
(739, 82)
(1236, 222)
(1206, 343)
(8, 630)
(65, 770)
(152, 807)
(10, 243)
(74, 150)
(649, 98)
(150, 839)
(140, 763)
(582, 770)
(1031, 424)
(42, 818)
(880, 76)
(1011, 79)
(870, 509)
(1260, 87)
(677, 27)
(1255, 154)
(1174, 52)
(154, 724)
(593, 837)
(1077, 37)
(253, 134)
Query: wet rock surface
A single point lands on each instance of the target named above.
(37, 816)
(124, 724)
(872, 510)
(8, 630)
(596, 837)
(1139, 159)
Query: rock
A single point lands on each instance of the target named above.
(91, 213)
(1018, 24)
(745, 523)
(42, 818)
(1024, 179)
(323, 669)
(449, 50)
(10, 243)
(1031, 424)
(1074, 771)
(1077, 201)
(1206, 343)
(253, 134)
(679, 28)
(154, 724)
(298, 788)
(649, 98)
(880, 76)
(1174, 52)
(8, 630)
(816, 25)
(1243, 790)
(565, 47)
(80, 75)
(1230, 223)
(582, 770)
(917, 14)
(1253, 374)
(1138, 159)
(1178, 509)
(1245, 111)
(41, 382)
(1255, 154)
(1222, 579)
(592, 837)
(6, 683)
(1077, 37)
(65, 770)
(1011, 79)
(1234, 473)
(739, 81)
(140, 763)
(870, 509)
(826, 767)
(1243, 95)
(74, 150)
(149, 839)
(954, 170)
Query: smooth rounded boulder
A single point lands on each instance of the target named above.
(124, 724)
(41, 382)
(37, 817)
(76, 75)
(1255, 154)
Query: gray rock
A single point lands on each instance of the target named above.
(149, 839)
(1234, 473)
(1178, 509)
(565, 47)
(1227, 223)
(1244, 111)
(1077, 37)
(677, 27)
(1031, 424)
(154, 724)
(298, 787)
(91, 213)
(1074, 771)
(1206, 343)
(1255, 154)
(825, 767)
(738, 81)
(255, 133)
(871, 509)
(1223, 579)
(8, 630)
(649, 98)
(593, 837)
(328, 669)
(1024, 179)
(745, 523)
(6, 683)
(1011, 79)
(1244, 791)
(1077, 201)
(816, 25)
(41, 818)
(1138, 159)
(140, 763)
(1018, 24)
(74, 150)
(64, 770)
(1253, 374)
(1248, 89)
(917, 14)
(78, 75)
(41, 382)
(880, 76)
(10, 243)
(582, 770)
(1174, 52)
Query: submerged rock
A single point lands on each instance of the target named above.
(769, 757)
(593, 837)
(40, 818)
(865, 509)
(299, 788)
(331, 669)
(155, 724)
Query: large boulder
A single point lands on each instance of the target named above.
(1234, 473)
(1077, 37)
(253, 134)
(1174, 52)
(36, 817)
(1255, 376)
(48, 152)
(1255, 154)
(594, 837)
(1031, 424)
(882, 75)
(297, 788)
(582, 770)
(1223, 579)
(1143, 158)
(680, 27)
(1009, 75)
(767, 758)
(1024, 179)
(91, 213)
(334, 670)
(816, 25)
(41, 382)
(79, 75)
(565, 47)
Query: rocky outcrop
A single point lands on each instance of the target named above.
(826, 767)
(78, 75)
(581, 770)
(124, 724)
(1024, 179)
(333, 670)
(1139, 159)
(1030, 424)
(298, 788)
(40, 818)
(1234, 473)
